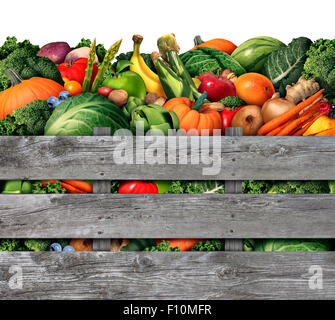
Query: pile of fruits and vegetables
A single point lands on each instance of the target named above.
(263, 85)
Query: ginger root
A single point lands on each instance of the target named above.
(301, 90)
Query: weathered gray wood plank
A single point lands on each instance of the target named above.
(167, 216)
(233, 186)
(222, 275)
(239, 158)
(101, 186)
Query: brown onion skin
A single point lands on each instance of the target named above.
(275, 107)
(249, 118)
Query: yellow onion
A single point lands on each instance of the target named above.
(274, 107)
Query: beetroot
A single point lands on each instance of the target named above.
(55, 51)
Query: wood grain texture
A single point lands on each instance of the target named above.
(233, 186)
(95, 158)
(167, 216)
(154, 275)
(101, 186)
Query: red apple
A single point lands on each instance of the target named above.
(217, 87)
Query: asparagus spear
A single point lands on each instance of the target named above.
(111, 53)
(89, 68)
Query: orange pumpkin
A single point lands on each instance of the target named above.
(26, 91)
(195, 115)
(218, 43)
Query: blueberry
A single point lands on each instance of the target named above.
(64, 95)
(68, 248)
(53, 102)
(56, 247)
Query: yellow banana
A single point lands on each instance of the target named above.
(139, 66)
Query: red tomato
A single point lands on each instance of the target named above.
(105, 91)
(76, 70)
(74, 87)
(137, 186)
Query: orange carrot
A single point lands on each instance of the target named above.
(274, 132)
(287, 130)
(43, 184)
(307, 125)
(314, 108)
(286, 116)
(79, 184)
(70, 189)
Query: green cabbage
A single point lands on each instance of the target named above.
(285, 66)
(78, 115)
(203, 59)
(287, 245)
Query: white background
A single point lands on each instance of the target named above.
(44, 21)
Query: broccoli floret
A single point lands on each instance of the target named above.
(320, 65)
(43, 244)
(253, 186)
(37, 244)
(300, 187)
(49, 188)
(84, 43)
(163, 246)
(10, 245)
(208, 245)
(45, 68)
(233, 102)
(27, 121)
(100, 49)
(292, 187)
(27, 65)
(11, 44)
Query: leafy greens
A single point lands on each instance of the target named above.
(78, 115)
(285, 66)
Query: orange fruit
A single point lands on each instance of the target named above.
(254, 88)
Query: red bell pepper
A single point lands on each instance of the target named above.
(227, 115)
(137, 186)
(76, 70)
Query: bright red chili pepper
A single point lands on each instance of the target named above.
(76, 70)
(136, 186)
(227, 115)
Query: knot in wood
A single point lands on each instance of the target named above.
(269, 150)
(142, 262)
(225, 273)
